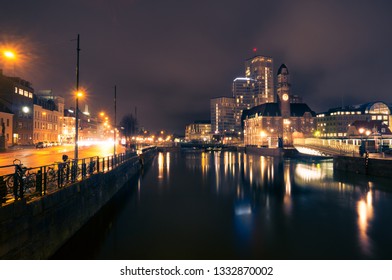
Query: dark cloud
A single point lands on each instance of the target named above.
(169, 58)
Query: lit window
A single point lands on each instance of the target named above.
(16, 90)
(21, 91)
(30, 95)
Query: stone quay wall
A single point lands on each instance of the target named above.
(369, 166)
(37, 229)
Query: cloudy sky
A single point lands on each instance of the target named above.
(169, 57)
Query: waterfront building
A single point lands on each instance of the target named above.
(6, 124)
(16, 95)
(336, 121)
(266, 123)
(89, 130)
(198, 131)
(261, 70)
(257, 87)
(367, 129)
(48, 117)
(222, 115)
(88, 126)
(68, 126)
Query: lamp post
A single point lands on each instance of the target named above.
(115, 125)
(78, 94)
(362, 146)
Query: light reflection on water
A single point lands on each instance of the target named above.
(219, 205)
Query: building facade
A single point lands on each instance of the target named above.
(257, 87)
(265, 124)
(16, 95)
(198, 131)
(6, 127)
(88, 126)
(335, 122)
(261, 70)
(48, 117)
(222, 115)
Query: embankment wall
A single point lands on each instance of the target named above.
(36, 229)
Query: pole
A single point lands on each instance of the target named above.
(115, 125)
(77, 102)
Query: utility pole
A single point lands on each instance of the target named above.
(115, 121)
(77, 102)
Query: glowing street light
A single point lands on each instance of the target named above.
(25, 109)
(9, 54)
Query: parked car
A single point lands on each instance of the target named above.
(40, 145)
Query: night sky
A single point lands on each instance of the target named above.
(169, 57)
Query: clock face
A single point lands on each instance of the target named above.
(285, 97)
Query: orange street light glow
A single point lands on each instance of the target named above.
(79, 94)
(9, 54)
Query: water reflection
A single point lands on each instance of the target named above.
(160, 165)
(365, 217)
(258, 179)
(221, 205)
(163, 166)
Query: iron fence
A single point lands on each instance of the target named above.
(28, 183)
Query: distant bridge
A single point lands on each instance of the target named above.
(326, 147)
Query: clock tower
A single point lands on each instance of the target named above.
(283, 91)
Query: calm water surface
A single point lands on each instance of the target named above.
(229, 205)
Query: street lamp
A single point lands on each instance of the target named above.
(25, 109)
(363, 147)
(78, 94)
(10, 55)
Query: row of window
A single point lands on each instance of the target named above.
(23, 92)
(46, 117)
(42, 125)
(44, 137)
(6, 123)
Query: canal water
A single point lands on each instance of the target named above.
(229, 205)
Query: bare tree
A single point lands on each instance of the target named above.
(128, 125)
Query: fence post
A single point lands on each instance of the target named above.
(45, 179)
(84, 168)
(38, 182)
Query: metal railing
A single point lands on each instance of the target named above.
(28, 183)
(329, 146)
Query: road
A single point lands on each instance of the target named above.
(32, 157)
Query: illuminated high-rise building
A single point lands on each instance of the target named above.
(222, 115)
(261, 69)
(256, 88)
